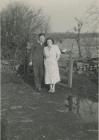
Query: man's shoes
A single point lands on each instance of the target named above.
(38, 89)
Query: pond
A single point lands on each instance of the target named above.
(84, 107)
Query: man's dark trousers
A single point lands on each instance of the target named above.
(38, 65)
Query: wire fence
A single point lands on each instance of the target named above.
(79, 66)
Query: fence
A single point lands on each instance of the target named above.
(67, 68)
(8, 66)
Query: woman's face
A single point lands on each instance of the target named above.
(49, 42)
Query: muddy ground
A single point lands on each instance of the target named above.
(30, 115)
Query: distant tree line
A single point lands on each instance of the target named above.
(72, 35)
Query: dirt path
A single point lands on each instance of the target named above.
(29, 115)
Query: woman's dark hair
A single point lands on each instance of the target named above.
(49, 38)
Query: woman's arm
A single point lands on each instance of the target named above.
(46, 53)
(58, 53)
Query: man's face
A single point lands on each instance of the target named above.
(42, 38)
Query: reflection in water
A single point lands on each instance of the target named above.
(87, 109)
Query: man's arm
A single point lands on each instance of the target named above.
(32, 51)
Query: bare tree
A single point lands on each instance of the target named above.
(92, 18)
(77, 29)
(18, 23)
(89, 24)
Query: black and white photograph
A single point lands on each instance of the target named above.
(49, 52)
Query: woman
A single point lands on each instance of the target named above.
(51, 57)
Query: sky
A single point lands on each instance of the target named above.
(60, 12)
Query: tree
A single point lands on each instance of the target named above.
(78, 31)
(18, 23)
(92, 18)
(89, 24)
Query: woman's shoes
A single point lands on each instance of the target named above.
(52, 90)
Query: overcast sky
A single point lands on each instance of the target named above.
(61, 12)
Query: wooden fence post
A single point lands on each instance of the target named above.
(70, 78)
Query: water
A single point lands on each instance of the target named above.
(86, 108)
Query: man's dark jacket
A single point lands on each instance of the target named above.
(37, 59)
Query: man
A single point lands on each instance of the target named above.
(37, 61)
